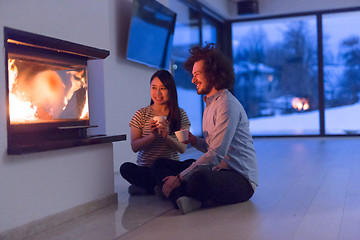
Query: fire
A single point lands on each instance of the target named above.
(78, 81)
(20, 110)
(300, 104)
(13, 72)
(43, 96)
(85, 110)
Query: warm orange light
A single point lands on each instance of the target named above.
(20, 110)
(85, 110)
(44, 97)
(78, 81)
(300, 103)
(306, 106)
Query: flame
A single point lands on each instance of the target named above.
(13, 72)
(20, 110)
(300, 104)
(85, 110)
(78, 80)
(44, 96)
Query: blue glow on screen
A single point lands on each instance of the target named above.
(151, 34)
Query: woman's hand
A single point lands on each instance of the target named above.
(171, 182)
(163, 128)
(153, 126)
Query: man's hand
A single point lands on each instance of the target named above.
(192, 140)
(171, 182)
(221, 165)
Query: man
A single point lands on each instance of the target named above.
(227, 171)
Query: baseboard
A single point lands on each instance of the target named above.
(52, 221)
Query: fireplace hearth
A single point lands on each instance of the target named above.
(47, 93)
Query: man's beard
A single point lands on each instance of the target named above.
(205, 90)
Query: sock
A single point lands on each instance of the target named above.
(188, 204)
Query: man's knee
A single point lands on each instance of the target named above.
(199, 182)
(199, 175)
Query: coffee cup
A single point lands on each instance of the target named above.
(182, 135)
(160, 119)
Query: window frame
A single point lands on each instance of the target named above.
(318, 14)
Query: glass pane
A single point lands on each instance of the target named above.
(46, 92)
(209, 31)
(187, 35)
(275, 63)
(342, 73)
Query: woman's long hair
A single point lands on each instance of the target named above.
(174, 112)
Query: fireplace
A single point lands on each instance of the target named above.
(47, 91)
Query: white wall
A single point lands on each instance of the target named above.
(127, 85)
(34, 186)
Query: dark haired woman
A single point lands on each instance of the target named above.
(152, 139)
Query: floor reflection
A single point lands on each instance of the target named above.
(134, 211)
(141, 209)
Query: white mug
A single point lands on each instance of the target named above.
(182, 135)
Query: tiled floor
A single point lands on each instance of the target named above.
(113, 221)
(308, 190)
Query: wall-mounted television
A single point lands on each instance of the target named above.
(151, 33)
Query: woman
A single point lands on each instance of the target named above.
(152, 139)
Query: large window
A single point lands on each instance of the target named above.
(295, 75)
(342, 72)
(276, 76)
(209, 30)
(276, 63)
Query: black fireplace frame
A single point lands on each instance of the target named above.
(36, 137)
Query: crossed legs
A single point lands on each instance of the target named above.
(220, 187)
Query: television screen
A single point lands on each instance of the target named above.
(151, 33)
